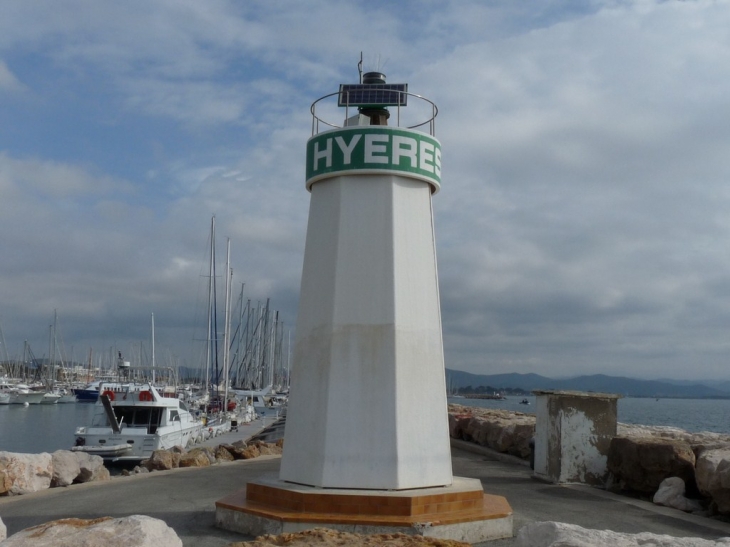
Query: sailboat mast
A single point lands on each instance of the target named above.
(211, 287)
(227, 323)
(153, 348)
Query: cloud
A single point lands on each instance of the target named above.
(8, 81)
(580, 227)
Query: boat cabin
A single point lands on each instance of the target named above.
(136, 416)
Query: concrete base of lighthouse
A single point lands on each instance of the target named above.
(461, 511)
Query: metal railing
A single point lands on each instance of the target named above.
(316, 120)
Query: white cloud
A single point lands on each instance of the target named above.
(581, 225)
(8, 81)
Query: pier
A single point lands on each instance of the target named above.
(185, 500)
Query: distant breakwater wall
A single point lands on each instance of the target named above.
(640, 458)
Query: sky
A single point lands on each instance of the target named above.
(582, 226)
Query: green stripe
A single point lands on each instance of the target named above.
(374, 149)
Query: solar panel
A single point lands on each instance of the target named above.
(373, 95)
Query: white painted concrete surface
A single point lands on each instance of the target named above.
(368, 400)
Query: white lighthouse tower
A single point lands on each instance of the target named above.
(366, 442)
(368, 397)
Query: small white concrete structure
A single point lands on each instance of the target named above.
(573, 431)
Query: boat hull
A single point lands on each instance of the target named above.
(131, 445)
(32, 398)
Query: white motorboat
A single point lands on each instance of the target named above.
(131, 421)
(50, 398)
(59, 395)
(265, 402)
(20, 394)
(5, 388)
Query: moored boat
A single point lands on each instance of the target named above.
(131, 421)
(90, 392)
(22, 394)
(50, 398)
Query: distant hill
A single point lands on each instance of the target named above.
(628, 387)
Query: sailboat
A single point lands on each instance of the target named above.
(218, 407)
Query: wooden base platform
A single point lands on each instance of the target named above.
(461, 511)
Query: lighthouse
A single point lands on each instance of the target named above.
(367, 404)
(366, 443)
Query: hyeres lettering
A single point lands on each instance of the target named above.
(372, 147)
(347, 149)
(375, 149)
(426, 156)
(318, 155)
(404, 147)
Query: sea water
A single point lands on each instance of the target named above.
(46, 428)
(41, 428)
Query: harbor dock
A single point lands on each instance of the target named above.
(266, 428)
(185, 500)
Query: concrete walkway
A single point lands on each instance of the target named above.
(268, 429)
(185, 499)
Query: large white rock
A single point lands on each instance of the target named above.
(712, 471)
(3, 530)
(547, 534)
(65, 467)
(671, 494)
(137, 530)
(26, 473)
(91, 467)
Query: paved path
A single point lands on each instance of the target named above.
(185, 499)
(268, 428)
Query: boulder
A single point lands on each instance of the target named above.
(329, 538)
(138, 469)
(237, 450)
(695, 440)
(138, 530)
(210, 452)
(5, 483)
(267, 449)
(197, 457)
(162, 460)
(501, 430)
(713, 477)
(65, 468)
(251, 452)
(222, 454)
(25, 473)
(458, 424)
(3, 530)
(554, 534)
(671, 494)
(91, 468)
(641, 464)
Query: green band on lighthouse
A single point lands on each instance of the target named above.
(374, 149)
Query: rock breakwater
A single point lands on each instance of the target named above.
(640, 457)
(26, 473)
